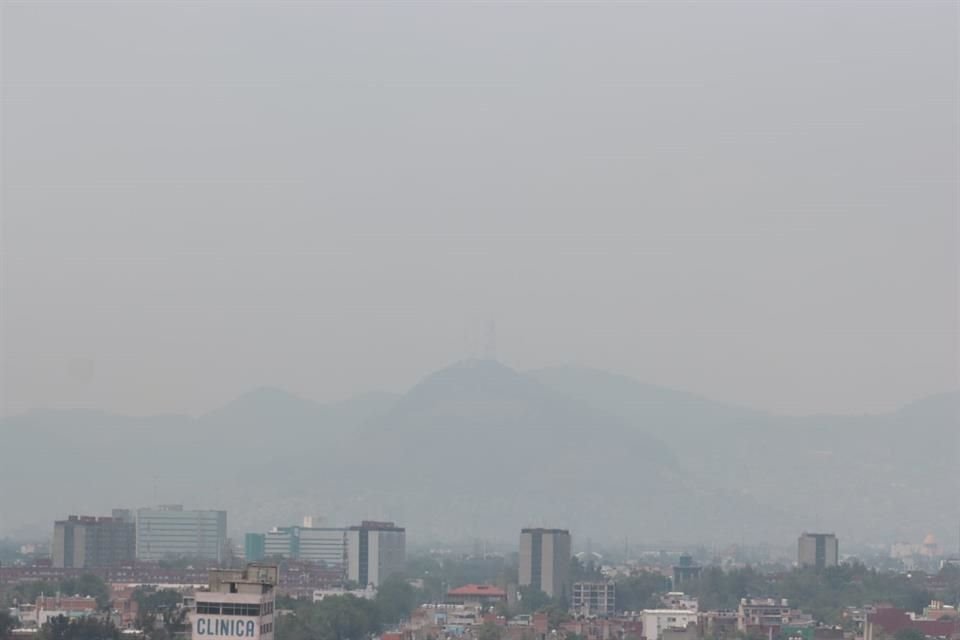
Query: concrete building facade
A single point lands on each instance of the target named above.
(763, 613)
(594, 598)
(818, 550)
(545, 561)
(656, 622)
(326, 546)
(239, 604)
(171, 531)
(484, 595)
(82, 542)
(375, 551)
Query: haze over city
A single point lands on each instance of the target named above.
(754, 202)
(412, 320)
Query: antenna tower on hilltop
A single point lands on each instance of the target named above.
(490, 341)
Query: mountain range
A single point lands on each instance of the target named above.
(478, 450)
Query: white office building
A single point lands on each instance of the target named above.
(238, 605)
(327, 545)
(170, 531)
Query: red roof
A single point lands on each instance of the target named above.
(892, 620)
(483, 590)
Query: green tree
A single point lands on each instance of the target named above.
(557, 615)
(637, 592)
(395, 600)
(27, 592)
(153, 600)
(909, 634)
(334, 618)
(532, 600)
(88, 628)
(7, 625)
(87, 585)
(489, 631)
(584, 571)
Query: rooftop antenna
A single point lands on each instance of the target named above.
(490, 341)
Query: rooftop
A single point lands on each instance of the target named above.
(478, 590)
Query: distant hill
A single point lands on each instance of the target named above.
(478, 450)
(79, 461)
(871, 477)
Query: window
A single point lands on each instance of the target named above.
(229, 609)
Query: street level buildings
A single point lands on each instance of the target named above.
(818, 550)
(82, 542)
(172, 531)
(545, 561)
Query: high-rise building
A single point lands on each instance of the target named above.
(818, 550)
(545, 561)
(326, 545)
(375, 551)
(81, 542)
(238, 604)
(172, 531)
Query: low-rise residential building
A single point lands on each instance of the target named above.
(718, 623)
(762, 613)
(656, 621)
(481, 594)
(680, 600)
(123, 605)
(433, 620)
(887, 621)
(938, 610)
(369, 593)
(49, 607)
(765, 617)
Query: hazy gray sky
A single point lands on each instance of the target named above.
(755, 201)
